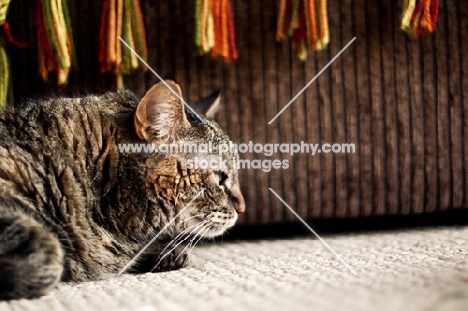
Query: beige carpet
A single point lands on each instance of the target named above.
(406, 270)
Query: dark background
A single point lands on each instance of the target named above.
(402, 102)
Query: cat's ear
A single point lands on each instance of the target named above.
(208, 106)
(160, 114)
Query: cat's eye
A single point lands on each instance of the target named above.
(221, 178)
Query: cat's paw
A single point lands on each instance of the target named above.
(171, 260)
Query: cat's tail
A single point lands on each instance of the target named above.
(31, 259)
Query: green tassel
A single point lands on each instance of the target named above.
(66, 16)
(6, 85)
(127, 36)
(294, 17)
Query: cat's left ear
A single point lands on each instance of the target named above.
(208, 106)
(160, 116)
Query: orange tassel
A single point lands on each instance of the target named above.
(214, 29)
(419, 16)
(307, 24)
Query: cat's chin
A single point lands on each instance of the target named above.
(215, 231)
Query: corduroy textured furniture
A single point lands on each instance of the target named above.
(402, 102)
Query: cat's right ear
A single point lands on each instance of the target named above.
(160, 116)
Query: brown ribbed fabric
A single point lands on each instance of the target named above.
(402, 102)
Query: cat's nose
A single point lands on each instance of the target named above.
(238, 199)
(240, 205)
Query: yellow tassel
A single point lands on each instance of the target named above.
(6, 96)
(308, 25)
(210, 39)
(302, 50)
(408, 9)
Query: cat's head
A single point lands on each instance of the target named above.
(180, 172)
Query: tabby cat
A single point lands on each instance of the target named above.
(73, 207)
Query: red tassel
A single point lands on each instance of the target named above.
(217, 38)
(217, 29)
(301, 32)
(48, 54)
(103, 36)
(423, 19)
(7, 31)
(232, 38)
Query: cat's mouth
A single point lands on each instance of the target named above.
(211, 225)
(219, 225)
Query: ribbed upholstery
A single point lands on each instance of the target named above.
(402, 102)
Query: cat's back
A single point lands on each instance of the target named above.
(60, 118)
(47, 142)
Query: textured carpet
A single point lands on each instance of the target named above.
(407, 270)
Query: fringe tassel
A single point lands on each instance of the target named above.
(6, 86)
(214, 29)
(6, 92)
(419, 16)
(55, 36)
(306, 22)
(11, 40)
(121, 18)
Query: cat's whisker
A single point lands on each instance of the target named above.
(195, 242)
(191, 227)
(184, 235)
(194, 228)
(199, 234)
(191, 244)
(181, 234)
(185, 220)
(203, 230)
(200, 225)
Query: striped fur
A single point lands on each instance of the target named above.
(73, 208)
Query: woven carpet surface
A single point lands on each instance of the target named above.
(422, 269)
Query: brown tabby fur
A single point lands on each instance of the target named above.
(74, 208)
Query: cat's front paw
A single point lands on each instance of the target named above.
(171, 259)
